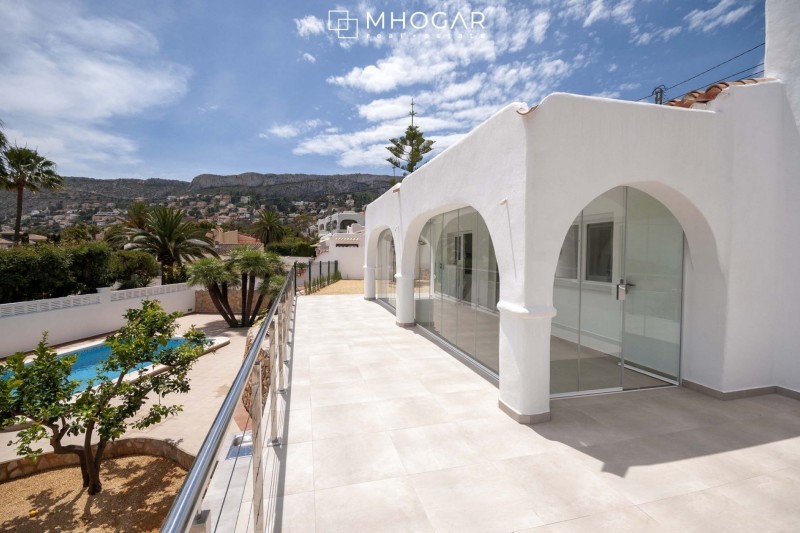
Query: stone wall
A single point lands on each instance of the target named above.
(203, 304)
(22, 467)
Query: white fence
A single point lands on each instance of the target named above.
(78, 317)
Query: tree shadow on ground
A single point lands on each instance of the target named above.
(137, 494)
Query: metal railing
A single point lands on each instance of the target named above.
(235, 470)
(149, 291)
(50, 304)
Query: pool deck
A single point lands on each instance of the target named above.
(210, 380)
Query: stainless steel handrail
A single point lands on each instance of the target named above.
(186, 504)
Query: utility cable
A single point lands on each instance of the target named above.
(707, 70)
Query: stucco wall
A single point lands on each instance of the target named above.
(728, 172)
(22, 332)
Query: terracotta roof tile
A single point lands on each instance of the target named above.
(710, 93)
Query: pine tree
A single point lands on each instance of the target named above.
(408, 150)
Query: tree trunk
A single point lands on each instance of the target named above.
(18, 220)
(92, 464)
(256, 308)
(227, 305)
(244, 300)
(215, 295)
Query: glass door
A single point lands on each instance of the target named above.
(651, 335)
(617, 290)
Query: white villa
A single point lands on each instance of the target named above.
(590, 245)
(339, 222)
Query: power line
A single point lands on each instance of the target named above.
(707, 70)
(735, 74)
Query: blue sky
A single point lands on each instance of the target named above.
(174, 89)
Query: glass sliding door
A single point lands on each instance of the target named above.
(651, 336)
(617, 290)
(457, 284)
(386, 269)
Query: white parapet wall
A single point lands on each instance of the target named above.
(78, 317)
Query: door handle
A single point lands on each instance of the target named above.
(622, 289)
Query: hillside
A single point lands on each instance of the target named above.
(80, 190)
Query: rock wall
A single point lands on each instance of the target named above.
(203, 304)
(22, 467)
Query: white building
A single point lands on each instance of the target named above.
(347, 248)
(591, 245)
(339, 222)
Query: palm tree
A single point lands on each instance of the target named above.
(214, 274)
(27, 170)
(251, 264)
(137, 215)
(3, 146)
(268, 227)
(218, 275)
(171, 240)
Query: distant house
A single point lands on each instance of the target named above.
(225, 241)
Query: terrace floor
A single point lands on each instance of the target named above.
(387, 432)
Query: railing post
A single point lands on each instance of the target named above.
(310, 264)
(256, 412)
(274, 439)
(336, 266)
(294, 275)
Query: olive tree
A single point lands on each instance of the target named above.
(42, 395)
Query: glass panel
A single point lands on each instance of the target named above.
(654, 272)
(568, 258)
(385, 269)
(565, 328)
(457, 286)
(600, 311)
(467, 315)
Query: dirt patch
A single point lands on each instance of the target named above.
(345, 286)
(137, 494)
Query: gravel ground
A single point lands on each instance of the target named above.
(345, 286)
(137, 493)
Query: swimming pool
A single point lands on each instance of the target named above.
(87, 364)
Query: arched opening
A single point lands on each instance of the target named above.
(618, 290)
(346, 223)
(457, 284)
(385, 269)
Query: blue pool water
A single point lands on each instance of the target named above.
(86, 365)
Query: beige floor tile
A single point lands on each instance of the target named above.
(349, 419)
(291, 514)
(434, 448)
(474, 498)
(355, 459)
(499, 437)
(625, 520)
(387, 506)
(334, 374)
(289, 469)
(561, 487)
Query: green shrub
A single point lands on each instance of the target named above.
(91, 266)
(292, 247)
(35, 272)
(133, 269)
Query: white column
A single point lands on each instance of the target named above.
(404, 310)
(525, 361)
(369, 282)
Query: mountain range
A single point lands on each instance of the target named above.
(78, 190)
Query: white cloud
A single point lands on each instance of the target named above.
(660, 34)
(294, 129)
(208, 108)
(608, 94)
(612, 67)
(309, 25)
(540, 24)
(724, 13)
(309, 58)
(284, 131)
(65, 75)
(597, 11)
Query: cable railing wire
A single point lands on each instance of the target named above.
(187, 503)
